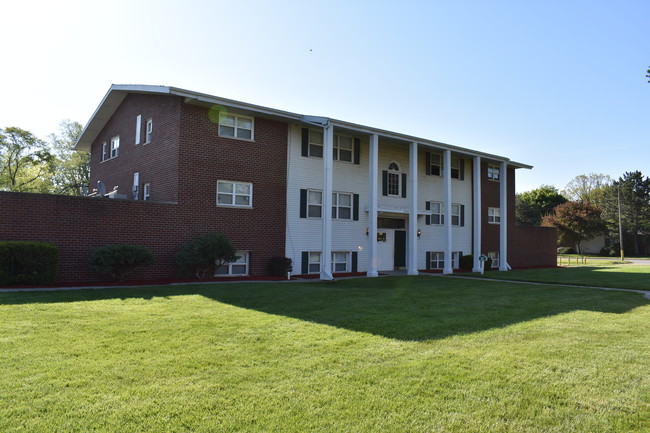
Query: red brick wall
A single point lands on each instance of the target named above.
(206, 158)
(527, 246)
(157, 161)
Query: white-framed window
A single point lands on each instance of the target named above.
(455, 259)
(115, 146)
(104, 151)
(238, 267)
(343, 146)
(494, 215)
(455, 214)
(313, 265)
(236, 126)
(316, 143)
(437, 213)
(342, 205)
(494, 255)
(436, 164)
(455, 168)
(146, 191)
(314, 204)
(340, 261)
(393, 180)
(493, 172)
(148, 131)
(239, 194)
(437, 260)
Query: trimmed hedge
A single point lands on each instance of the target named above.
(205, 254)
(281, 266)
(28, 263)
(119, 261)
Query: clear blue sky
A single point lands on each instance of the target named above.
(559, 85)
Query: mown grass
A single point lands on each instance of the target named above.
(620, 276)
(409, 354)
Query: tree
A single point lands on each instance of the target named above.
(531, 206)
(635, 205)
(205, 254)
(72, 167)
(587, 188)
(648, 74)
(576, 221)
(25, 162)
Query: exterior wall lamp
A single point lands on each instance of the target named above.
(419, 233)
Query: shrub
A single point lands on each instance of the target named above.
(119, 261)
(281, 266)
(467, 262)
(488, 264)
(610, 251)
(203, 255)
(566, 250)
(28, 263)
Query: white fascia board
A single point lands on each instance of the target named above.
(425, 142)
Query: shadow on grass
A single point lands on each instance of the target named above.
(404, 308)
(616, 276)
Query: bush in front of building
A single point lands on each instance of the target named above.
(205, 254)
(119, 261)
(27, 263)
(467, 262)
(281, 266)
(566, 250)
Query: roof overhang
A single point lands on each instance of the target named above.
(118, 92)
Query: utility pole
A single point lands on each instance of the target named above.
(620, 226)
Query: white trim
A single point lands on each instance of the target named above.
(148, 131)
(476, 173)
(494, 215)
(503, 227)
(138, 126)
(328, 163)
(412, 247)
(448, 232)
(236, 128)
(373, 188)
(236, 264)
(234, 194)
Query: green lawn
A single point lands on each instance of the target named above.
(398, 354)
(621, 276)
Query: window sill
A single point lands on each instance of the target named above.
(250, 140)
(233, 206)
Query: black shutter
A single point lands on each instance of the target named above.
(305, 262)
(462, 169)
(357, 150)
(403, 184)
(427, 159)
(305, 142)
(428, 264)
(384, 182)
(354, 261)
(303, 203)
(462, 215)
(427, 218)
(355, 207)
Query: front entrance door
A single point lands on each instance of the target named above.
(400, 249)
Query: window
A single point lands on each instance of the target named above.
(437, 213)
(314, 263)
(455, 259)
(314, 204)
(455, 214)
(436, 164)
(437, 260)
(342, 206)
(316, 143)
(233, 125)
(340, 262)
(343, 146)
(148, 131)
(494, 255)
(393, 179)
(455, 168)
(238, 267)
(115, 146)
(493, 172)
(238, 194)
(494, 215)
(104, 151)
(146, 191)
(138, 125)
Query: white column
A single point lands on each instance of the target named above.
(503, 226)
(476, 211)
(326, 255)
(373, 179)
(446, 164)
(412, 258)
